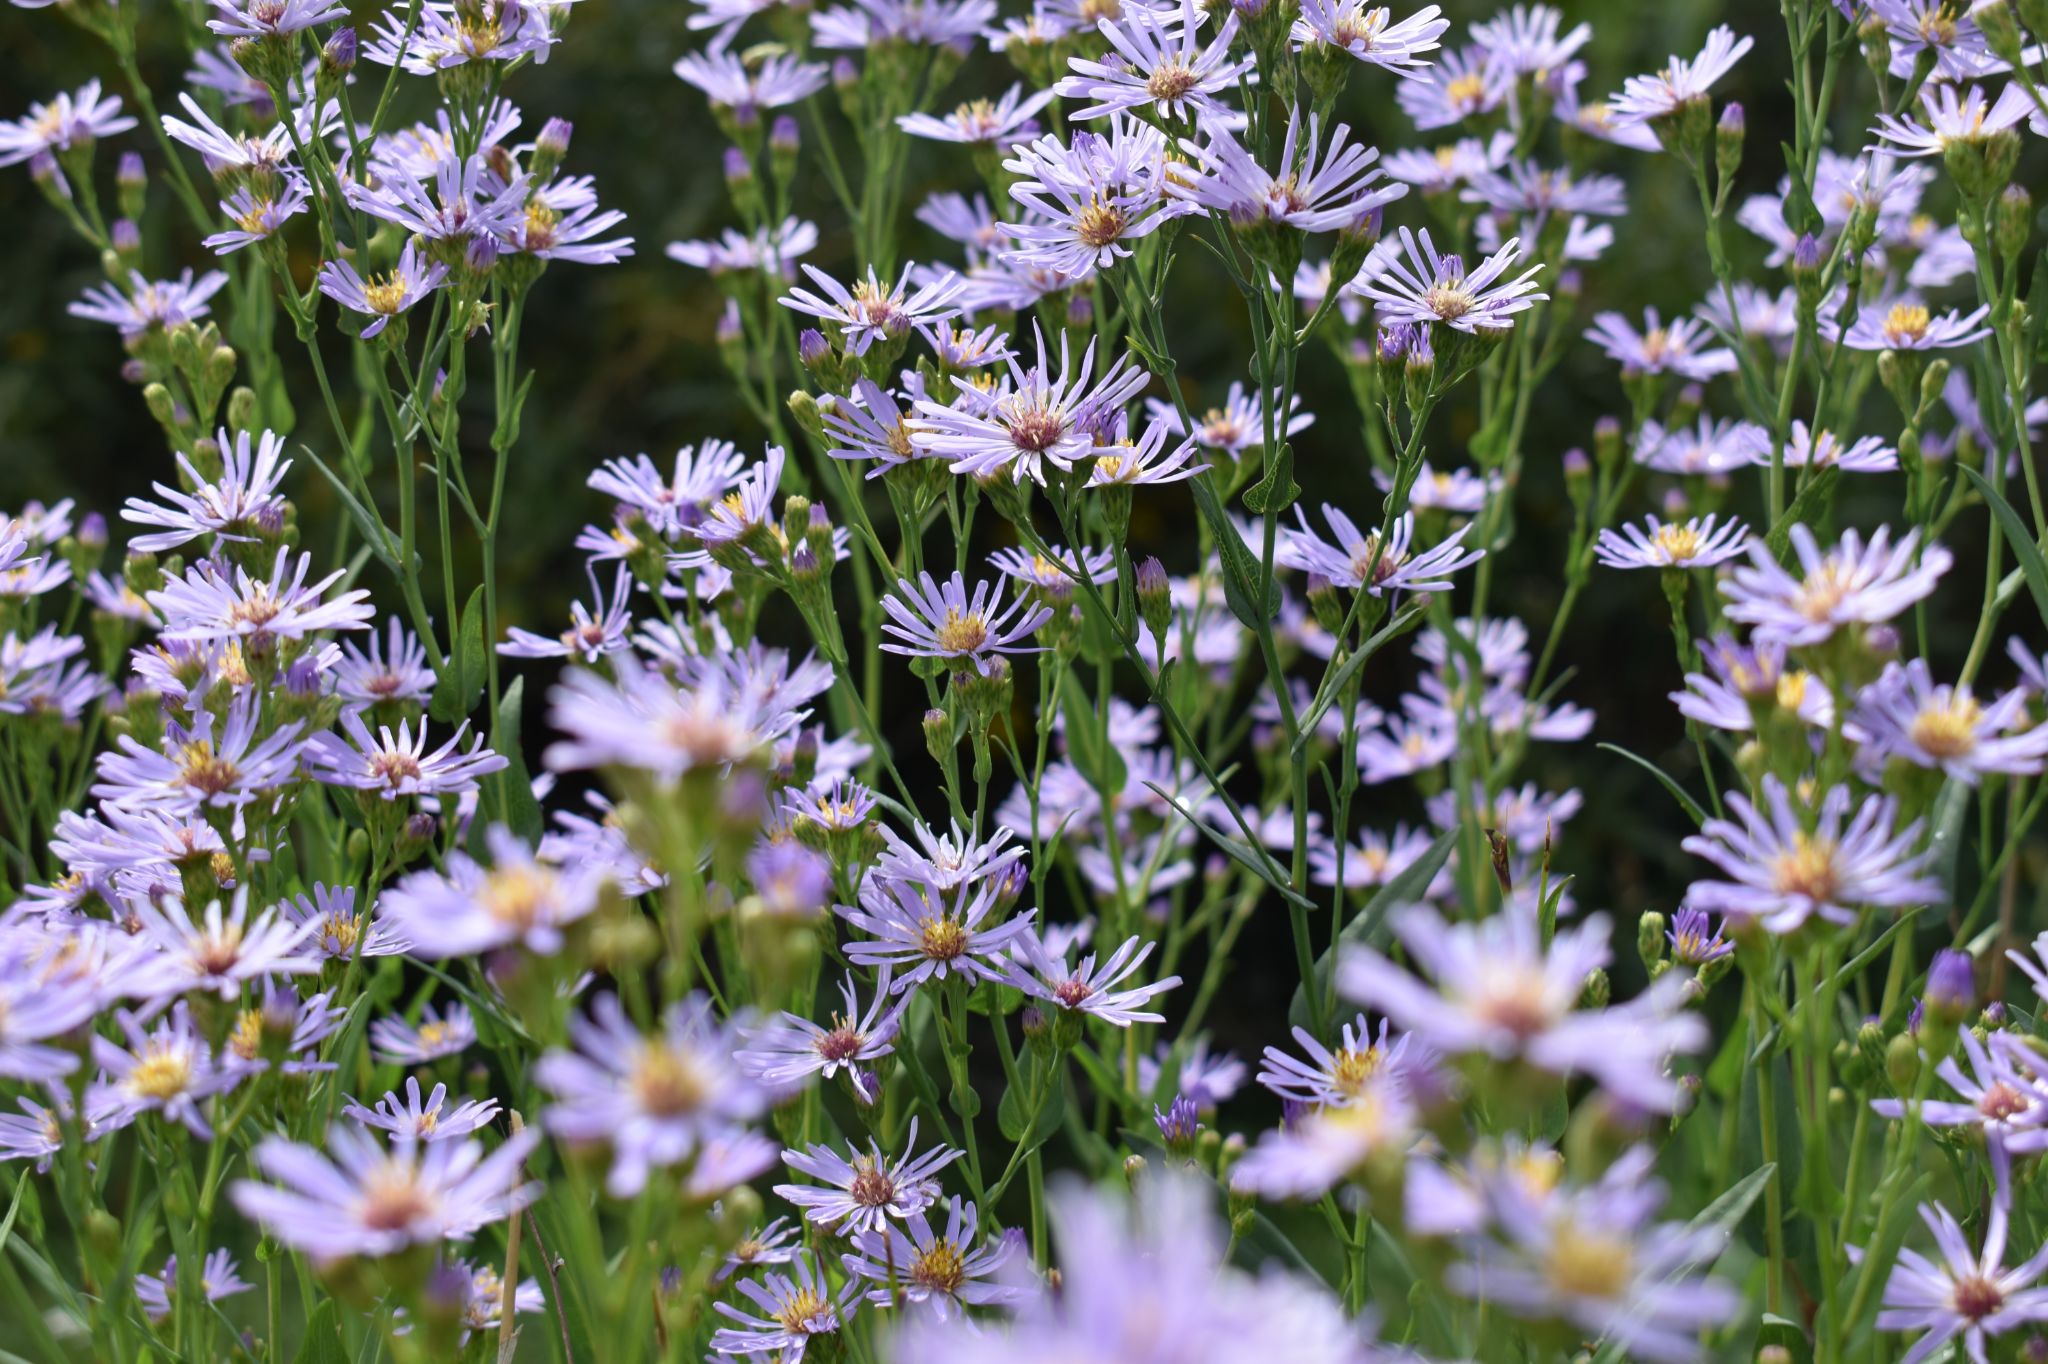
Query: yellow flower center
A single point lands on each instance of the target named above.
(386, 295)
(1948, 730)
(1589, 1264)
(941, 939)
(940, 1269)
(1170, 81)
(164, 1072)
(516, 895)
(201, 770)
(1098, 224)
(668, 1083)
(959, 634)
(1905, 324)
(1807, 868)
(1349, 1069)
(1679, 544)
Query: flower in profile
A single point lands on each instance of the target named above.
(62, 123)
(1965, 1293)
(1500, 992)
(946, 861)
(1707, 447)
(872, 311)
(2004, 1095)
(1784, 868)
(928, 619)
(789, 1051)
(1906, 714)
(1660, 347)
(774, 1244)
(1822, 449)
(382, 297)
(791, 1312)
(1526, 40)
(999, 122)
(593, 632)
(1909, 325)
(219, 1278)
(257, 216)
(870, 424)
(335, 926)
(400, 765)
(1317, 190)
(1204, 1077)
(1159, 63)
(427, 1119)
(1358, 559)
(149, 305)
(1145, 462)
(392, 671)
(929, 933)
(1087, 200)
(782, 79)
(1646, 98)
(1087, 988)
(1047, 417)
(1335, 1077)
(703, 474)
(362, 1197)
(1428, 286)
(447, 35)
(863, 1193)
(169, 1069)
(438, 1034)
(1955, 116)
(1370, 33)
(471, 908)
(655, 1101)
(1465, 84)
(941, 1272)
(1695, 543)
(220, 952)
(1594, 1257)
(641, 718)
(271, 18)
(1855, 583)
(242, 500)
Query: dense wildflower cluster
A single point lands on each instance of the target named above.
(836, 978)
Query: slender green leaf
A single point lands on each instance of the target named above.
(1692, 807)
(461, 683)
(1408, 887)
(2024, 550)
(1817, 490)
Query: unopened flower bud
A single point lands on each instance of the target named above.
(1323, 601)
(1650, 942)
(1902, 1062)
(1155, 596)
(1951, 986)
(338, 53)
(1773, 1354)
(938, 733)
(1598, 990)
(549, 148)
(125, 237)
(1607, 442)
(2012, 222)
(730, 329)
(1080, 309)
(1994, 20)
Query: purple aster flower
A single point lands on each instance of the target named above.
(1526, 40)
(149, 305)
(1783, 872)
(790, 1313)
(931, 933)
(1928, 28)
(361, 1197)
(219, 952)
(1237, 425)
(928, 619)
(939, 1272)
(790, 880)
(1696, 543)
(244, 498)
(219, 1279)
(168, 1069)
(399, 765)
(1087, 988)
(1464, 84)
(774, 1244)
(1362, 1060)
(1695, 938)
(1708, 447)
(1644, 98)
(391, 672)
(1904, 714)
(1954, 115)
(200, 766)
(1371, 34)
(1660, 348)
(1205, 1078)
(869, 424)
(926, 23)
(64, 122)
(1500, 992)
(647, 721)
(482, 1290)
(1854, 584)
(1160, 62)
(424, 1120)
(836, 805)
(466, 201)
(944, 861)
(780, 80)
(1357, 560)
(1967, 1294)
(271, 18)
(1428, 287)
(1317, 190)
(447, 35)
(1088, 200)
(1041, 420)
(1595, 1258)
(863, 1193)
(1318, 1150)
(1145, 462)
(1178, 1123)
(438, 1034)
(703, 475)
(1000, 122)
(472, 908)
(549, 230)
(1908, 325)
(210, 603)
(258, 216)
(872, 311)
(1823, 449)
(593, 632)
(38, 1007)
(382, 297)
(655, 1101)
(1373, 860)
(791, 1050)
(2004, 1094)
